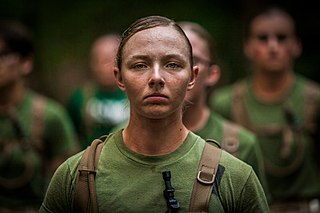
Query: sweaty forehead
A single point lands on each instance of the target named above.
(157, 39)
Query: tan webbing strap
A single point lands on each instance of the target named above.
(230, 141)
(37, 122)
(203, 184)
(85, 199)
(311, 107)
(238, 111)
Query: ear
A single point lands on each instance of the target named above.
(213, 77)
(27, 65)
(297, 49)
(119, 79)
(247, 50)
(194, 75)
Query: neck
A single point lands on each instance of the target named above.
(154, 137)
(196, 116)
(272, 87)
(11, 95)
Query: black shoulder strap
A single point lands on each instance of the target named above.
(203, 184)
(85, 198)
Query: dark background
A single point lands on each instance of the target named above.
(64, 31)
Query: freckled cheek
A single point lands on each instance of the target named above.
(133, 91)
(288, 52)
(258, 53)
(179, 90)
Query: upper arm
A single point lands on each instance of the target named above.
(60, 191)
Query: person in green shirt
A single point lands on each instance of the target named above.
(281, 107)
(36, 134)
(155, 69)
(205, 122)
(98, 105)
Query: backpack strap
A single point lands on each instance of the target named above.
(231, 141)
(203, 184)
(38, 122)
(85, 198)
(311, 106)
(238, 111)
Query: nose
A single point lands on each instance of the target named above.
(156, 78)
(273, 43)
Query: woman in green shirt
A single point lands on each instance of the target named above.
(155, 69)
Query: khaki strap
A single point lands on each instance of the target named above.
(37, 123)
(230, 141)
(203, 184)
(85, 199)
(311, 106)
(238, 112)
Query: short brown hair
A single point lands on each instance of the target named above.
(147, 23)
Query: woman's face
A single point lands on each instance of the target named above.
(156, 72)
(272, 45)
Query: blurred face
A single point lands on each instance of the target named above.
(272, 45)
(103, 61)
(156, 72)
(201, 56)
(11, 68)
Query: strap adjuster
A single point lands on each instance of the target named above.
(206, 177)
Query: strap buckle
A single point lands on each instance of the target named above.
(206, 177)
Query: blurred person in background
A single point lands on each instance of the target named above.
(205, 122)
(281, 107)
(99, 105)
(36, 134)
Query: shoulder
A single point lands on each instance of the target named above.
(240, 187)
(221, 94)
(60, 191)
(235, 136)
(308, 89)
(235, 174)
(70, 165)
(244, 136)
(53, 113)
(234, 167)
(308, 85)
(221, 99)
(49, 105)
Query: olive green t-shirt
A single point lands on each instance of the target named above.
(130, 182)
(39, 136)
(291, 176)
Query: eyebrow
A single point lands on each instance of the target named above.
(147, 57)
